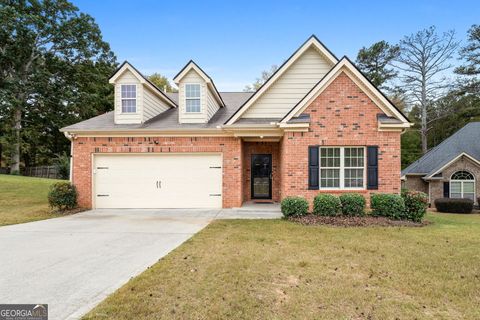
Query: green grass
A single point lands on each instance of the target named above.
(275, 269)
(24, 199)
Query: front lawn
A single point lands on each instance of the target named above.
(275, 269)
(24, 199)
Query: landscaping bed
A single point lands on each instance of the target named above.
(348, 221)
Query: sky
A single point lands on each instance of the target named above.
(233, 41)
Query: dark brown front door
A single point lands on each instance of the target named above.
(261, 176)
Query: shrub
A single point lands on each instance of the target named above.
(387, 205)
(454, 205)
(327, 205)
(294, 206)
(416, 204)
(353, 204)
(62, 195)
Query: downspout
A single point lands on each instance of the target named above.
(70, 137)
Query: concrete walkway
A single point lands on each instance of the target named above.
(72, 263)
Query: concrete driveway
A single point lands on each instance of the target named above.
(72, 263)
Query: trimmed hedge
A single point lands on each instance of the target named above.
(294, 206)
(62, 195)
(416, 204)
(327, 205)
(387, 205)
(454, 205)
(353, 204)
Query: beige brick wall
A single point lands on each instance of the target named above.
(413, 182)
(436, 186)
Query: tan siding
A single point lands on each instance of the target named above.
(292, 86)
(152, 105)
(128, 78)
(184, 117)
(212, 105)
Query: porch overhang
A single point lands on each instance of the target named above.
(272, 131)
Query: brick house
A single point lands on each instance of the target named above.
(449, 170)
(316, 125)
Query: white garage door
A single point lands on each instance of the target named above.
(158, 181)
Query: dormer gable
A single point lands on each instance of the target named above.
(198, 98)
(136, 99)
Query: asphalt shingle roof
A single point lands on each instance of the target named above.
(465, 140)
(167, 119)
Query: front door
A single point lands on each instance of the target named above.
(261, 176)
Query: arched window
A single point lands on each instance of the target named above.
(462, 185)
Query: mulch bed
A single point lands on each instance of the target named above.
(346, 221)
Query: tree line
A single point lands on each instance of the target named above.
(55, 65)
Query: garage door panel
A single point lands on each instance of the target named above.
(158, 181)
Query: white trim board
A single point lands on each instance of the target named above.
(127, 66)
(211, 86)
(345, 66)
(311, 42)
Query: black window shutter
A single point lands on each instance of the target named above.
(372, 167)
(313, 166)
(446, 189)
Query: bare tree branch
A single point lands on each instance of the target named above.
(424, 56)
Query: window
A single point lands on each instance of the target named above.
(129, 98)
(462, 185)
(342, 167)
(192, 96)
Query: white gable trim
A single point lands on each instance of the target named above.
(127, 66)
(463, 154)
(191, 65)
(344, 65)
(312, 41)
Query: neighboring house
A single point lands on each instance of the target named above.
(317, 125)
(451, 169)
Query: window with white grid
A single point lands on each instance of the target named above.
(462, 185)
(354, 163)
(330, 167)
(192, 97)
(342, 167)
(129, 98)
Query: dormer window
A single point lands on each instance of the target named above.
(192, 97)
(129, 98)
